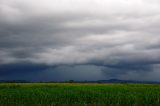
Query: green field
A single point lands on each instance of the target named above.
(74, 94)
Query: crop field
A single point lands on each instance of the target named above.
(76, 94)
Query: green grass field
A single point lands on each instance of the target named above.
(74, 94)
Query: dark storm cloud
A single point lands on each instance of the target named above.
(121, 38)
(20, 69)
(31, 72)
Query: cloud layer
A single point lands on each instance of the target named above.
(120, 37)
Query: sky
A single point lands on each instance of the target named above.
(59, 40)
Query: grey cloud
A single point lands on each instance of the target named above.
(121, 36)
(41, 72)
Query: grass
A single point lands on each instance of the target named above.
(74, 94)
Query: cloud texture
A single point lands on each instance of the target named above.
(118, 37)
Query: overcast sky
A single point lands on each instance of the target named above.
(45, 40)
